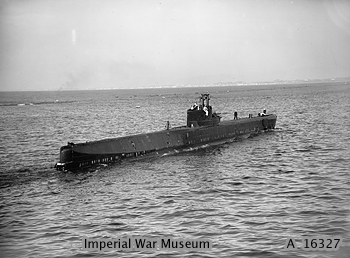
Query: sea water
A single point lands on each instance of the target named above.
(247, 196)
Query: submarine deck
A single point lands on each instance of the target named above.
(174, 137)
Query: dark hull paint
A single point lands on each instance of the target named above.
(75, 156)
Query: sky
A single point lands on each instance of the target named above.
(92, 44)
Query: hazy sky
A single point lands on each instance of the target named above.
(86, 44)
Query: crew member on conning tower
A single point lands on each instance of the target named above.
(195, 106)
(205, 109)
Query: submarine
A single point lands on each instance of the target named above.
(203, 126)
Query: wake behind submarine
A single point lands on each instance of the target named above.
(203, 126)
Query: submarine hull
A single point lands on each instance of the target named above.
(75, 156)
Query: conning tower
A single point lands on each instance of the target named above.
(201, 114)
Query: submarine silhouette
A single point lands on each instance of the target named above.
(203, 126)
